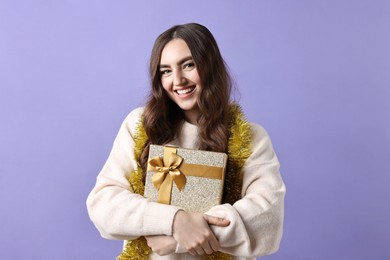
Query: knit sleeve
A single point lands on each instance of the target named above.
(257, 218)
(116, 211)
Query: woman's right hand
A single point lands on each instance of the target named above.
(192, 232)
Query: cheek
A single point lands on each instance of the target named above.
(198, 82)
(166, 85)
(196, 78)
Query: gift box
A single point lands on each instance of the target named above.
(190, 179)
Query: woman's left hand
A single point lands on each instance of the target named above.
(162, 245)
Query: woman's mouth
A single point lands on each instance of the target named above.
(184, 91)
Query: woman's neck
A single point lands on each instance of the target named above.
(192, 116)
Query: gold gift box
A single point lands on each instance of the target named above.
(190, 179)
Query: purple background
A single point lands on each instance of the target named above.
(315, 74)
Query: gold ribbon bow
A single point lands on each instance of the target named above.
(156, 164)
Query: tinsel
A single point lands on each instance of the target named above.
(135, 249)
(239, 149)
(136, 176)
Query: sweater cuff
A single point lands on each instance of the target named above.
(158, 219)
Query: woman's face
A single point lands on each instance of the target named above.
(180, 77)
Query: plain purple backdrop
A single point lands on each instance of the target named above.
(315, 74)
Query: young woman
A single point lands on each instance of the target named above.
(189, 107)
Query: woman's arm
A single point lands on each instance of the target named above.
(256, 220)
(192, 231)
(116, 211)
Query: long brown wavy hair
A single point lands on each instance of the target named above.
(163, 118)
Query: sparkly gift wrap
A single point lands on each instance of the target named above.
(199, 194)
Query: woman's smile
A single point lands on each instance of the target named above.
(185, 91)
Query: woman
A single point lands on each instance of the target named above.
(189, 107)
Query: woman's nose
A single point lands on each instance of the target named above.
(178, 78)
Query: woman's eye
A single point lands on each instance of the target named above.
(189, 65)
(164, 72)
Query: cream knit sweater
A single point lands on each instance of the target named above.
(256, 220)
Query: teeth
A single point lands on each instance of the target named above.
(184, 91)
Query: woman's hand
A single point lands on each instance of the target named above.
(192, 232)
(162, 245)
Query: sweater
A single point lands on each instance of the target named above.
(256, 220)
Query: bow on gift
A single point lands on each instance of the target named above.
(156, 164)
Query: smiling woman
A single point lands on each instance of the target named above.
(180, 78)
(190, 107)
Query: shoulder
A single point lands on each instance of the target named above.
(133, 119)
(258, 132)
(261, 144)
(135, 115)
(240, 124)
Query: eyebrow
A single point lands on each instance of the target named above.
(179, 62)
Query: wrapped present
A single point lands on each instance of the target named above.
(190, 179)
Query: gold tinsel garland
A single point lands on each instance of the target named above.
(239, 149)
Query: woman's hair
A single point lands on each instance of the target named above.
(163, 118)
